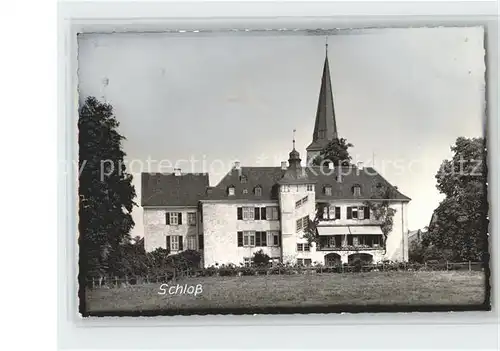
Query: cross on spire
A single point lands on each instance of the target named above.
(293, 141)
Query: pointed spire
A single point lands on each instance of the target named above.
(325, 127)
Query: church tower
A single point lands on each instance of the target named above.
(325, 127)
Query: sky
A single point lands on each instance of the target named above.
(203, 100)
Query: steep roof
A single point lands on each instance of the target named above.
(325, 126)
(268, 178)
(167, 189)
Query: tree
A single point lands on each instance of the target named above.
(106, 193)
(336, 151)
(382, 211)
(460, 222)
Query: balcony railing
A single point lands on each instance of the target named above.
(349, 248)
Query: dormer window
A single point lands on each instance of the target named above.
(230, 190)
(245, 191)
(356, 190)
(328, 190)
(243, 179)
(258, 191)
(310, 187)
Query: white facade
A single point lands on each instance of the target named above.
(217, 227)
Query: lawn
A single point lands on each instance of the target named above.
(294, 291)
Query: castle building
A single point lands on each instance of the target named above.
(269, 208)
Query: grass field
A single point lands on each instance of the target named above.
(361, 289)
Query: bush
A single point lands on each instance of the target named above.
(261, 259)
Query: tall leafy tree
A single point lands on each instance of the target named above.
(336, 151)
(460, 222)
(382, 211)
(106, 192)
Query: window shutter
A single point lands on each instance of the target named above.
(167, 218)
(180, 242)
(269, 212)
(240, 213)
(240, 239)
(263, 213)
(337, 212)
(168, 242)
(367, 212)
(257, 213)
(257, 239)
(264, 238)
(349, 240)
(200, 242)
(279, 238)
(179, 216)
(349, 213)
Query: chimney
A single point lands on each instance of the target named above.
(360, 165)
(177, 172)
(283, 165)
(237, 165)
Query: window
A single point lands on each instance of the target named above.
(307, 247)
(174, 243)
(285, 188)
(310, 187)
(300, 262)
(361, 212)
(230, 191)
(260, 239)
(248, 213)
(245, 191)
(331, 212)
(300, 247)
(302, 223)
(248, 239)
(352, 213)
(272, 213)
(191, 218)
(307, 262)
(243, 179)
(328, 190)
(173, 218)
(258, 191)
(356, 190)
(247, 261)
(273, 239)
(191, 242)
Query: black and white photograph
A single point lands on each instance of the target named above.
(283, 172)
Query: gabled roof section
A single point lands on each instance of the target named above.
(168, 189)
(265, 177)
(325, 127)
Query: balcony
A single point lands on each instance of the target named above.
(349, 248)
(350, 242)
